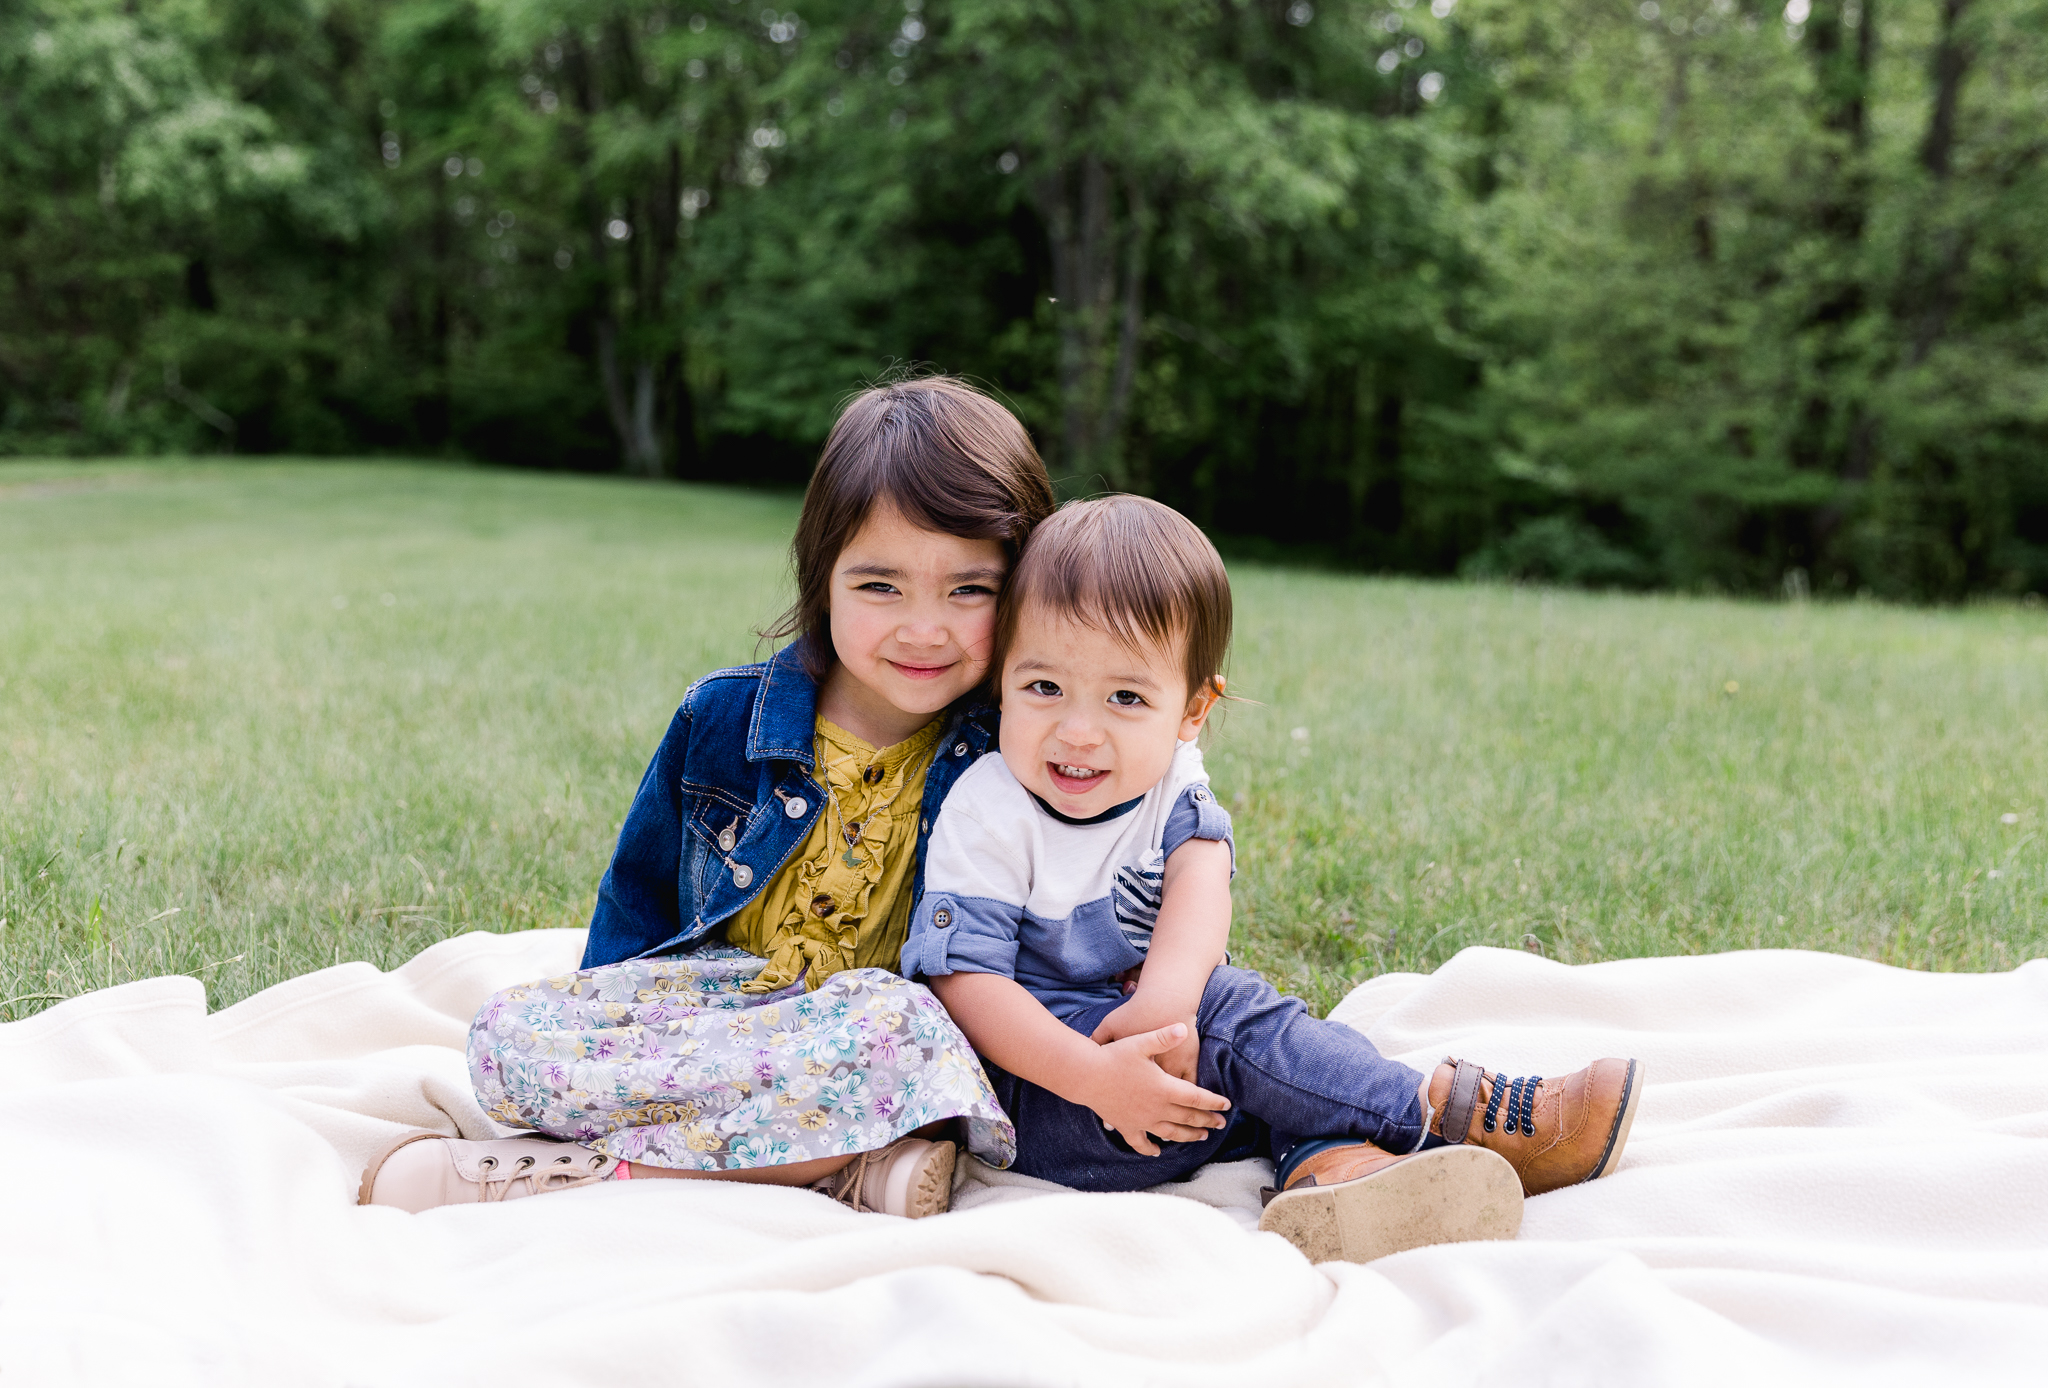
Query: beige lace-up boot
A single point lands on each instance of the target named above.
(423, 1170)
(910, 1177)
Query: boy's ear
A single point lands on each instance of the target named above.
(1198, 709)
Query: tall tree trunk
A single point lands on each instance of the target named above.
(1934, 261)
(1096, 379)
(1834, 433)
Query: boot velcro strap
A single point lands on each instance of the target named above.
(1463, 1098)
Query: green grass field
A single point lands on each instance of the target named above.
(258, 718)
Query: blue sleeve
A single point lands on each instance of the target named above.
(952, 934)
(1196, 815)
(637, 905)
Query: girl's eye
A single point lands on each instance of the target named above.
(876, 586)
(1124, 698)
(1044, 689)
(974, 590)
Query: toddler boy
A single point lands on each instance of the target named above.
(1091, 851)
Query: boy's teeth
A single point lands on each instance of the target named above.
(1078, 773)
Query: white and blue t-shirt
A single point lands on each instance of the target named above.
(1063, 906)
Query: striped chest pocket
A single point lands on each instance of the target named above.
(1137, 897)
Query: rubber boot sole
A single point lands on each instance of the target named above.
(929, 1184)
(1448, 1195)
(1617, 1136)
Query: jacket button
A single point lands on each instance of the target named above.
(959, 749)
(796, 807)
(942, 918)
(742, 876)
(725, 839)
(924, 826)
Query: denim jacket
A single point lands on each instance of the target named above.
(727, 800)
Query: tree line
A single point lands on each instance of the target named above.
(1716, 294)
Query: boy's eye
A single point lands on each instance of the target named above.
(974, 590)
(1124, 698)
(1044, 689)
(876, 586)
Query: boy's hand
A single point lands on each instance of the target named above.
(1132, 1018)
(1133, 1094)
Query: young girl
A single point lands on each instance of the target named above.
(734, 1017)
(1091, 849)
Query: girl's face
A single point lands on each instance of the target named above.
(913, 620)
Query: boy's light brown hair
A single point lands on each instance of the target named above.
(1127, 565)
(948, 459)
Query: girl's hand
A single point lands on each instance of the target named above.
(1129, 1091)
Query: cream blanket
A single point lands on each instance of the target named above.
(1838, 1175)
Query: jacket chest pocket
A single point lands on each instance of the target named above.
(718, 829)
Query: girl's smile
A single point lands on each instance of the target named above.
(913, 618)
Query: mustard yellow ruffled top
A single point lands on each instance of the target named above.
(843, 902)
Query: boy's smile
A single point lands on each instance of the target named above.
(1089, 722)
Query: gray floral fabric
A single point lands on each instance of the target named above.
(665, 1061)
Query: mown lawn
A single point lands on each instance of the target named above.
(257, 718)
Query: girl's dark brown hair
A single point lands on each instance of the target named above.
(948, 459)
(1127, 565)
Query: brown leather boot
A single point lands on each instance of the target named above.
(1555, 1132)
(1359, 1202)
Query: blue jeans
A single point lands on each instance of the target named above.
(1288, 1076)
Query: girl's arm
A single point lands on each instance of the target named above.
(1120, 1082)
(1187, 944)
(638, 904)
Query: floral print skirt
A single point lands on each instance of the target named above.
(666, 1062)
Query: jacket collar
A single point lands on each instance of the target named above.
(786, 714)
(785, 720)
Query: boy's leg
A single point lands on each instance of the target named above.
(1066, 1143)
(1304, 1076)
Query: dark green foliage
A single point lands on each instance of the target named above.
(1698, 293)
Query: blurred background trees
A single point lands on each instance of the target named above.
(1706, 293)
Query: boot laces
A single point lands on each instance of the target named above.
(560, 1174)
(1521, 1104)
(848, 1185)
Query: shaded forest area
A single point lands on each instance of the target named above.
(1702, 293)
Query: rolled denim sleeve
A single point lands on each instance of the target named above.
(972, 908)
(638, 900)
(1196, 815)
(962, 935)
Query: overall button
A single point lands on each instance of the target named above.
(821, 905)
(942, 918)
(742, 876)
(1200, 793)
(959, 749)
(796, 806)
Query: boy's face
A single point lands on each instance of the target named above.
(1089, 722)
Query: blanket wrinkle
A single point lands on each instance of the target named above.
(1835, 1177)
